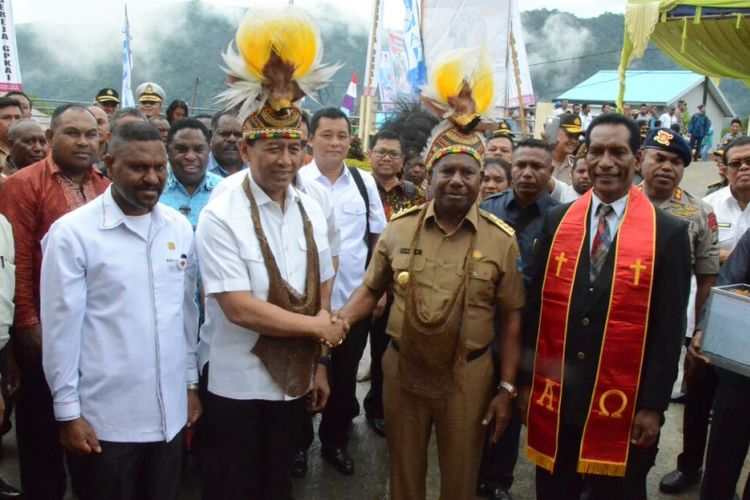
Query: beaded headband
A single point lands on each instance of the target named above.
(455, 149)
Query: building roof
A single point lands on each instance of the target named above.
(653, 87)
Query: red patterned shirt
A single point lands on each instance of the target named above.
(32, 199)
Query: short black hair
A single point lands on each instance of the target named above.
(737, 121)
(123, 112)
(217, 117)
(742, 140)
(18, 92)
(533, 143)
(496, 160)
(306, 120)
(634, 141)
(57, 113)
(176, 104)
(330, 113)
(386, 135)
(133, 132)
(6, 102)
(192, 123)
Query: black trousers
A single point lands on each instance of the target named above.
(40, 455)
(129, 471)
(373, 402)
(499, 459)
(248, 448)
(342, 404)
(699, 397)
(566, 484)
(729, 440)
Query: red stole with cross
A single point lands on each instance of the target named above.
(606, 435)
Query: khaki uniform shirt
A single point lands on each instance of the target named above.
(703, 229)
(496, 279)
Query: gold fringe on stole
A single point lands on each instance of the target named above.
(540, 459)
(601, 468)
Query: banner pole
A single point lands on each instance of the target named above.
(517, 76)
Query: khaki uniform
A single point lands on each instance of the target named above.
(496, 282)
(703, 229)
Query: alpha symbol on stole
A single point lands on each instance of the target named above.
(637, 268)
(561, 260)
(548, 395)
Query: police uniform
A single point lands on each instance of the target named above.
(572, 125)
(438, 267)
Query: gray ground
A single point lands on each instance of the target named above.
(370, 481)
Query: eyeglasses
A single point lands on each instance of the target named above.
(382, 153)
(737, 164)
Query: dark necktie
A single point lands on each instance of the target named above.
(602, 240)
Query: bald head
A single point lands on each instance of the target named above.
(102, 126)
(27, 143)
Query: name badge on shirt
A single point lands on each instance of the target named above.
(182, 262)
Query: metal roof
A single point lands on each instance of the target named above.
(652, 87)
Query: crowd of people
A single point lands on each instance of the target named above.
(177, 284)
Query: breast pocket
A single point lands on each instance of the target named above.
(481, 282)
(256, 268)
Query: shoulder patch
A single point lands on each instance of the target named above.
(496, 221)
(406, 211)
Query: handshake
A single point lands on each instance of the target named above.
(329, 329)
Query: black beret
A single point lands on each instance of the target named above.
(668, 140)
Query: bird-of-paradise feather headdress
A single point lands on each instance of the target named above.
(278, 63)
(460, 89)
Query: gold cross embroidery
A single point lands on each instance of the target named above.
(561, 259)
(637, 268)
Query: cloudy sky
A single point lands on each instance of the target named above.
(94, 11)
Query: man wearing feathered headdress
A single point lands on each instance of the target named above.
(451, 267)
(266, 267)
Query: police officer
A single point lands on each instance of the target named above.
(665, 157)
(719, 159)
(450, 266)
(150, 97)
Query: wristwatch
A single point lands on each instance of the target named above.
(508, 387)
(192, 386)
(325, 360)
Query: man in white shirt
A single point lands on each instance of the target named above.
(668, 118)
(361, 223)
(730, 203)
(586, 116)
(120, 328)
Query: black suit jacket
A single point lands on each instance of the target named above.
(667, 317)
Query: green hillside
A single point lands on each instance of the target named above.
(563, 50)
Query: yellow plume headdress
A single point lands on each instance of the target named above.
(278, 63)
(460, 89)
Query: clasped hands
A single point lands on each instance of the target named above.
(330, 328)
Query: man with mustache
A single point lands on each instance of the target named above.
(226, 135)
(120, 323)
(602, 340)
(27, 144)
(522, 208)
(189, 185)
(665, 157)
(31, 200)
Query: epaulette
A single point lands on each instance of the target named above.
(497, 222)
(406, 211)
(715, 184)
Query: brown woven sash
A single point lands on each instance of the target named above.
(432, 348)
(291, 361)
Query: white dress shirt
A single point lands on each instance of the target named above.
(350, 215)
(613, 218)
(732, 220)
(231, 261)
(7, 279)
(586, 120)
(668, 120)
(119, 319)
(312, 189)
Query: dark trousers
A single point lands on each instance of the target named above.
(10, 399)
(373, 402)
(695, 145)
(129, 471)
(499, 459)
(729, 440)
(701, 387)
(342, 404)
(566, 484)
(40, 455)
(248, 448)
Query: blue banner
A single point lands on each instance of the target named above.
(126, 94)
(416, 70)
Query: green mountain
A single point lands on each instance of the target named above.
(183, 41)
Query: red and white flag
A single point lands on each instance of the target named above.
(347, 106)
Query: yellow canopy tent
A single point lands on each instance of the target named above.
(709, 37)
